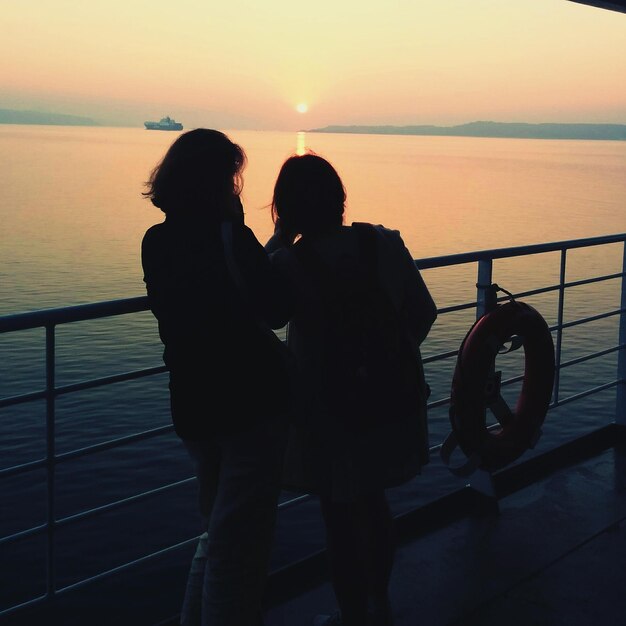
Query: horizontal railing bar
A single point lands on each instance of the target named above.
(109, 380)
(512, 381)
(23, 605)
(107, 507)
(438, 403)
(95, 310)
(113, 443)
(594, 355)
(439, 357)
(64, 521)
(530, 292)
(521, 294)
(97, 382)
(22, 534)
(595, 279)
(516, 379)
(86, 384)
(508, 382)
(585, 320)
(533, 292)
(502, 253)
(456, 307)
(296, 500)
(125, 566)
(113, 505)
(438, 447)
(574, 283)
(23, 467)
(78, 313)
(435, 448)
(552, 405)
(27, 397)
(446, 355)
(584, 394)
(588, 357)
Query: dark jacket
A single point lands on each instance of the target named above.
(225, 372)
(344, 455)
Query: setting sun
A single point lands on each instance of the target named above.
(302, 107)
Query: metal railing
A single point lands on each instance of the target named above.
(50, 319)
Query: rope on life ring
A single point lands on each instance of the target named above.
(476, 387)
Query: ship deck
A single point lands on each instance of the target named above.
(548, 553)
(547, 550)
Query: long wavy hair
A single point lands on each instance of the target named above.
(200, 173)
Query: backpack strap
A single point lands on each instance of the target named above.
(368, 248)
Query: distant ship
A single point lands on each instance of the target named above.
(165, 123)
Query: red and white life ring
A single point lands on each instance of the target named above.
(471, 395)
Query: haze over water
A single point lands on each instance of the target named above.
(73, 215)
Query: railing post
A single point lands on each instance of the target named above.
(559, 331)
(482, 480)
(485, 297)
(620, 408)
(50, 460)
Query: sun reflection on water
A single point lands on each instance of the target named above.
(300, 142)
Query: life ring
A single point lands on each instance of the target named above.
(473, 389)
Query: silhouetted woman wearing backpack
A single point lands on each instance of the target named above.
(215, 294)
(365, 429)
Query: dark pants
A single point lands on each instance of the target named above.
(239, 482)
(360, 546)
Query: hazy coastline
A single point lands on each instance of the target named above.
(509, 130)
(13, 116)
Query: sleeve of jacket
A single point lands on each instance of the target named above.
(155, 273)
(420, 306)
(269, 291)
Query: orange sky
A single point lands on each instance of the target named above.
(247, 63)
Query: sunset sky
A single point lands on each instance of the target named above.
(248, 63)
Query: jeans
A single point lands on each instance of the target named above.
(239, 478)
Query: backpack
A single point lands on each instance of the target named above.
(372, 374)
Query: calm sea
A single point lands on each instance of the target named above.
(73, 217)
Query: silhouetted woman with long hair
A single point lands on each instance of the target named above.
(345, 452)
(215, 296)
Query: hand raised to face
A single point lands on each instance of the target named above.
(236, 213)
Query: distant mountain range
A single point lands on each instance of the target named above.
(493, 129)
(11, 116)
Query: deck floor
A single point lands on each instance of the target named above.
(554, 554)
